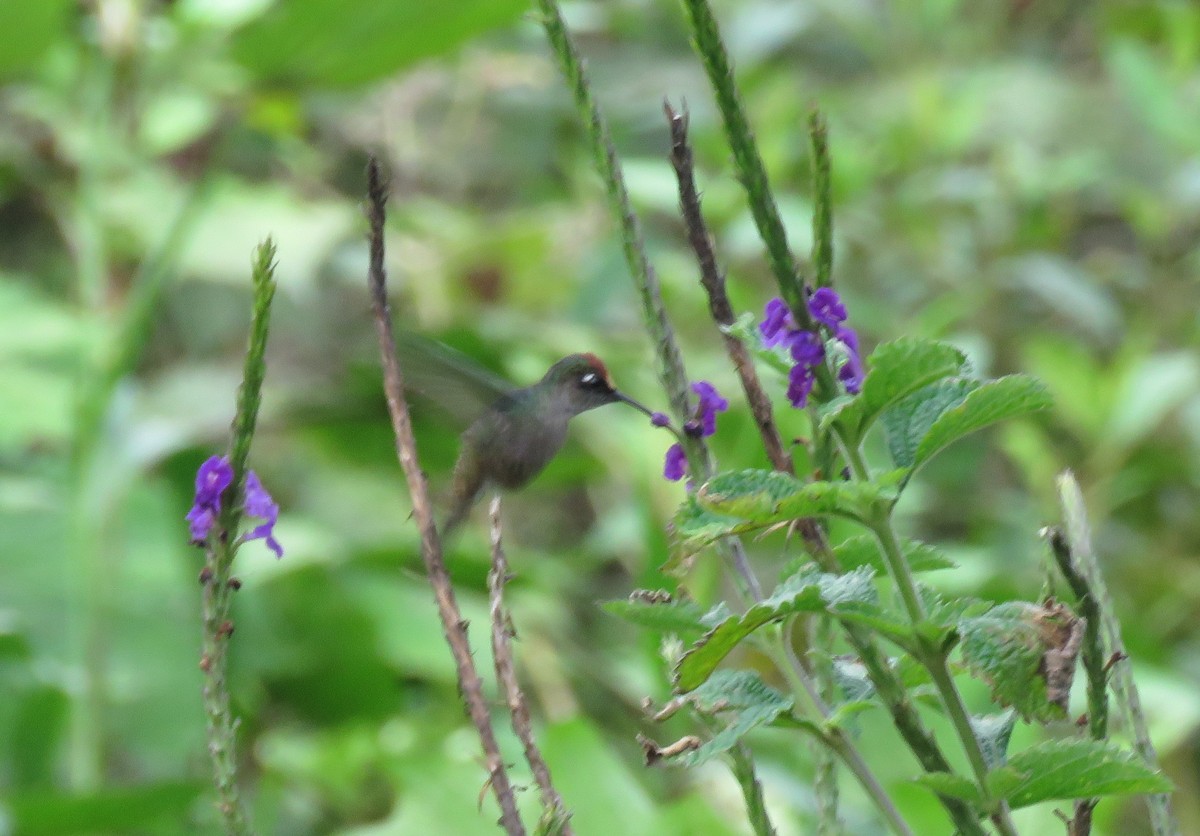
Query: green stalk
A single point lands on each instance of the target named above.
(1162, 817)
(777, 648)
(822, 246)
(706, 38)
(671, 371)
(933, 659)
(221, 726)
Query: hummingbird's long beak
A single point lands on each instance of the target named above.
(623, 397)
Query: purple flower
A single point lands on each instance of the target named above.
(711, 403)
(851, 373)
(259, 504)
(675, 464)
(826, 307)
(807, 348)
(659, 419)
(777, 321)
(800, 384)
(213, 477)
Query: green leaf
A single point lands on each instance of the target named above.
(993, 732)
(1066, 769)
(747, 494)
(747, 700)
(897, 369)
(665, 615)
(996, 400)
(809, 590)
(950, 784)
(768, 497)
(1026, 653)
(908, 421)
(862, 550)
(750, 500)
(693, 528)
(319, 42)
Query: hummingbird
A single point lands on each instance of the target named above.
(515, 437)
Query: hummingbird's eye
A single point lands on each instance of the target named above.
(589, 379)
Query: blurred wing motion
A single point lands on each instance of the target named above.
(449, 379)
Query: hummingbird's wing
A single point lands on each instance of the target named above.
(457, 384)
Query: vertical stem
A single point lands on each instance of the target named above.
(826, 782)
(454, 626)
(822, 247)
(1162, 818)
(221, 725)
(707, 39)
(671, 371)
(780, 651)
(553, 809)
(742, 766)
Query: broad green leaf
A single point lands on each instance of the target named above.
(322, 42)
(951, 785)
(1026, 653)
(667, 615)
(896, 370)
(809, 590)
(745, 699)
(1066, 769)
(993, 732)
(693, 528)
(747, 494)
(745, 501)
(996, 400)
(907, 422)
(864, 551)
(768, 497)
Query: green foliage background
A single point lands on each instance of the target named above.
(1022, 179)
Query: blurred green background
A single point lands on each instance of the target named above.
(1020, 178)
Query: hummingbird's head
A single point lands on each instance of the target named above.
(581, 382)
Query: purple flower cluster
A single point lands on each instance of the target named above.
(703, 424)
(807, 348)
(212, 479)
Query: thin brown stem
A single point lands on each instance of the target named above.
(713, 281)
(453, 624)
(554, 810)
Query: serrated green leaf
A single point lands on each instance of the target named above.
(693, 528)
(908, 421)
(897, 369)
(951, 785)
(665, 616)
(1066, 769)
(746, 699)
(747, 494)
(993, 732)
(863, 550)
(744, 501)
(809, 590)
(996, 400)
(1026, 653)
